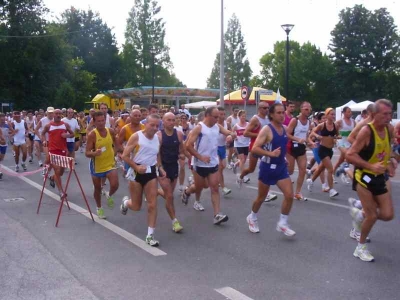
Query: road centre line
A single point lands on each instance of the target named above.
(232, 294)
(110, 226)
(309, 199)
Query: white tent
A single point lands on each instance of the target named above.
(340, 108)
(360, 106)
(201, 104)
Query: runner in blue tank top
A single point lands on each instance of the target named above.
(271, 145)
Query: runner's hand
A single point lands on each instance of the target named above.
(162, 173)
(378, 168)
(97, 152)
(64, 135)
(276, 152)
(141, 169)
(205, 159)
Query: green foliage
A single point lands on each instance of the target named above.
(310, 77)
(237, 66)
(365, 46)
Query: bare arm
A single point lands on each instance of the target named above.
(353, 134)
(252, 125)
(264, 136)
(43, 137)
(126, 155)
(194, 134)
(91, 150)
(38, 126)
(120, 140)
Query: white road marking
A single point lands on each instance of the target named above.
(121, 232)
(232, 294)
(309, 199)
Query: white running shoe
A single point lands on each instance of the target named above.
(356, 235)
(226, 191)
(190, 180)
(253, 224)
(220, 218)
(246, 179)
(325, 187)
(333, 193)
(354, 213)
(40, 164)
(309, 173)
(229, 167)
(181, 188)
(310, 184)
(123, 208)
(363, 253)
(345, 179)
(16, 168)
(239, 182)
(270, 197)
(285, 229)
(353, 202)
(198, 206)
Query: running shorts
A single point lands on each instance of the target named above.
(205, 171)
(222, 152)
(243, 150)
(324, 152)
(270, 174)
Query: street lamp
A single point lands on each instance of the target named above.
(287, 28)
(153, 73)
(221, 59)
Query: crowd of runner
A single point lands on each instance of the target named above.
(152, 146)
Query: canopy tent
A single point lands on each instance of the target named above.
(101, 98)
(360, 106)
(340, 108)
(201, 104)
(236, 97)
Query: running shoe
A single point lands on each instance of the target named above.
(151, 241)
(333, 193)
(285, 229)
(309, 173)
(339, 171)
(299, 197)
(23, 165)
(110, 202)
(353, 202)
(185, 197)
(270, 197)
(220, 218)
(52, 182)
(103, 192)
(31, 159)
(1, 176)
(310, 184)
(40, 164)
(226, 191)
(100, 213)
(16, 168)
(246, 179)
(176, 227)
(345, 179)
(229, 166)
(239, 182)
(253, 224)
(363, 253)
(354, 213)
(198, 206)
(334, 179)
(124, 208)
(190, 180)
(181, 188)
(356, 235)
(234, 169)
(325, 188)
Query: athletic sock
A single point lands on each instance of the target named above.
(150, 231)
(174, 220)
(283, 219)
(253, 215)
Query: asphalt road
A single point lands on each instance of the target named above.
(82, 259)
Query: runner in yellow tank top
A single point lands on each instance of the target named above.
(371, 154)
(100, 150)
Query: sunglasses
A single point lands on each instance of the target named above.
(267, 107)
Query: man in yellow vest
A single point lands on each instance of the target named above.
(99, 149)
(371, 155)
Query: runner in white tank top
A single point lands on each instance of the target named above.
(232, 120)
(19, 129)
(241, 144)
(222, 151)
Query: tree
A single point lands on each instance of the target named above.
(145, 32)
(93, 41)
(365, 48)
(237, 66)
(311, 73)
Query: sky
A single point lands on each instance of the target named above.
(193, 27)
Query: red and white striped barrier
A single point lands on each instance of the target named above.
(62, 161)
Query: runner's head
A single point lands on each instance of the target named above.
(136, 117)
(17, 115)
(184, 118)
(330, 114)
(242, 116)
(50, 113)
(346, 111)
(290, 107)
(99, 119)
(58, 115)
(321, 117)
(222, 114)
(103, 107)
(153, 109)
(29, 114)
(151, 126)
(144, 113)
(169, 120)
(383, 113)
(305, 109)
(235, 111)
(263, 108)
(92, 111)
(371, 108)
(276, 113)
(70, 113)
(211, 115)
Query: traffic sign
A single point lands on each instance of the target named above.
(266, 92)
(245, 93)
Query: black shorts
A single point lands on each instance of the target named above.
(243, 150)
(205, 171)
(31, 137)
(375, 184)
(77, 139)
(297, 150)
(143, 179)
(324, 152)
(172, 170)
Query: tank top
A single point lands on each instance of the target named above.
(276, 142)
(30, 124)
(37, 138)
(169, 149)
(378, 150)
(44, 121)
(19, 137)
(241, 140)
(326, 132)
(222, 137)
(234, 121)
(346, 129)
(5, 129)
(106, 161)
(301, 130)
(129, 131)
(108, 124)
(207, 145)
(185, 131)
(262, 122)
(287, 120)
(56, 141)
(147, 150)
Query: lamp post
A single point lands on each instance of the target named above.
(153, 72)
(287, 28)
(221, 59)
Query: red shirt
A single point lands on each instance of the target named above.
(56, 141)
